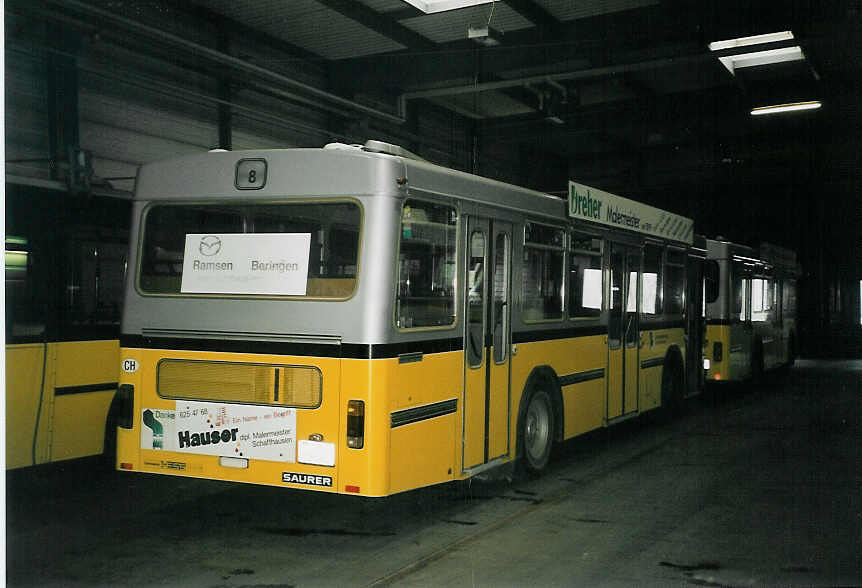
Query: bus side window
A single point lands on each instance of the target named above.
(94, 286)
(738, 293)
(761, 299)
(476, 300)
(586, 295)
(22, 315)
(651, 293)
(674, 282)
(426, 265)
(542, 273)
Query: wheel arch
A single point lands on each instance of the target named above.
(540, 375)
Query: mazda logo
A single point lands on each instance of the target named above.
(210, 245)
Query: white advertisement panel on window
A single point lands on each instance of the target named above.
(246, 263)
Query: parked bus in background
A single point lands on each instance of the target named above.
(357, 320)
(750, 310)
(65, 258)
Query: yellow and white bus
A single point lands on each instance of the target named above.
(751, 311)
(357, 320)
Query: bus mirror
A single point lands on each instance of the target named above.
(710, 280)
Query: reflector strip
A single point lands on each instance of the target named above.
(352, 489)
(421, 413)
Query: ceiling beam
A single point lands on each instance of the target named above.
(234, 27)
(710, 109)
(380, 23)
(578, 74)
(589, 40)
(546, 23)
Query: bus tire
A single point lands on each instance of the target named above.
(672, 383)
(536, 429)
(109, 452)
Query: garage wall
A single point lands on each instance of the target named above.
(138, 104)
(140, 101)
(26, 113)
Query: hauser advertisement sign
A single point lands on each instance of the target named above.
(246, 263)
(233, 430)
(597, 206)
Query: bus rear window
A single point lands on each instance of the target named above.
(294, 249)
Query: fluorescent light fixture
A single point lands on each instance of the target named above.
(792, 106)
(734, 62)
(747, 41)
(431, 6)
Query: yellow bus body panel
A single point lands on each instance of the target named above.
(655, 345)
(394, 459)
(23, 387)
(323, 421)
(79, 419)
(421, 453)
(70, 426)
(724, 370)
(584, 404)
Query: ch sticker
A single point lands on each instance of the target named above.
(130, 366)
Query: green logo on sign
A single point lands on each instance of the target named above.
(585, 205)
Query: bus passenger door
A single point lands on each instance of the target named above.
(500, 343)
(623, 330)
(486, 342)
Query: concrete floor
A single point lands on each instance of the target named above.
(757, 486)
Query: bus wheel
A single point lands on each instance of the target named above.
(537, 431)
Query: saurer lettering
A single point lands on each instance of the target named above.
(310, 479)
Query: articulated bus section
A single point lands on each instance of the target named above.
(358, 321)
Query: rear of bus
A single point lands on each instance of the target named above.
(729, 332)
(244, 307)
